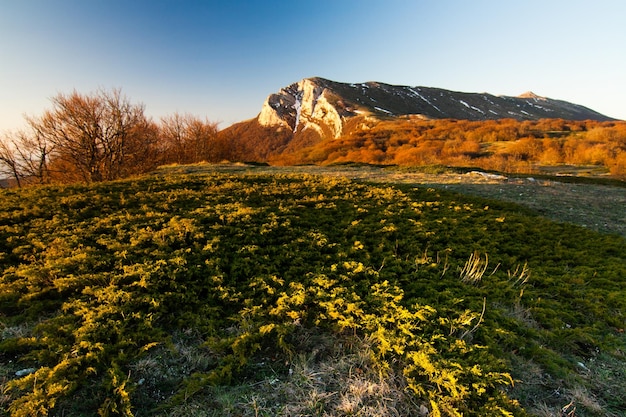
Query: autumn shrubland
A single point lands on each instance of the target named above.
(504, 145)
(198, 291)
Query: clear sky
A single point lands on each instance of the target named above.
(221, 59)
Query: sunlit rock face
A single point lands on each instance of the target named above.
(273, 112)
(302, 105)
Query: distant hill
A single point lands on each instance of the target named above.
(314, 109)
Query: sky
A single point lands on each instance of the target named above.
(220, 60)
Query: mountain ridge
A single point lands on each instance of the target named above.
(315, 109)
(383, 99)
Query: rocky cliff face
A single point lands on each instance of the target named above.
(301, 106)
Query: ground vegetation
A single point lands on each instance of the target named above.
(195, 291)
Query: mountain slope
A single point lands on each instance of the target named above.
(323, 101)
(315, 109)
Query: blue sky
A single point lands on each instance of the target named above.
(220, 59)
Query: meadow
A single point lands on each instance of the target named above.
(242, 293)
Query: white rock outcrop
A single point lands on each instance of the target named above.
(270, 116)
(302, 106)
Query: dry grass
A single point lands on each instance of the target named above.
(594, 206)
(474, 269)
(584, 398)
(334, 377)
(8, 364)
(520, 276)
(19, 330)
(546, 397)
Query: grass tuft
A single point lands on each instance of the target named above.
(474, 269)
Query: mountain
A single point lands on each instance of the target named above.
(315, 109)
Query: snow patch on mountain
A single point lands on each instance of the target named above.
(382, 110)
(417, 94)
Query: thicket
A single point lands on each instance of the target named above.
(142, 296)
(504, 145)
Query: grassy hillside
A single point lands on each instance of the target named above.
(224, 294)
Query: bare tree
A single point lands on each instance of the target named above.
(24, 156)
(8, 162)
(187, 139)
(95, 137)
(173, 139)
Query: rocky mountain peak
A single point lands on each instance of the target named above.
(300, 106)
(530, 94)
